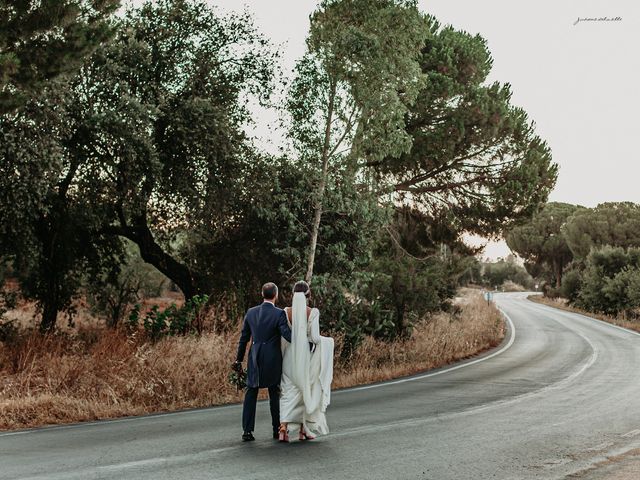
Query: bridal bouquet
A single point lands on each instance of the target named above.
(238, 377)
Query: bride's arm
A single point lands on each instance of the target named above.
(315, 326)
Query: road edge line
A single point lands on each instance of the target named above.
(512, 337)
(612, 325)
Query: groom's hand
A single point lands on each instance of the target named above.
(236, 366)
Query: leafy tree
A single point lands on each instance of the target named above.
(410, 287)
(541, 241)
(145, 144)
(46, 228)
(353, 88)
(616, 224)
(270, 235)
(160, 147)
(475, 158)
(42, 40)
(410, 274)
(472, 273)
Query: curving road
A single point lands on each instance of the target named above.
(560, 394)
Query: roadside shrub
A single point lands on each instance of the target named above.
(549, 291)
(8, 301)
(8, 331)
(611, 281)
(509, 286)
(571, 284)
(346, 314)
(112, 294)
(171, 321)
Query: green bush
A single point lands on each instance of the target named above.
(571, 284)
(112, 293)
(171, 321)
(611, 281)
(9, 331)
(344, 312)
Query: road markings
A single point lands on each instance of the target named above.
(569, 313)
(601, 447)
(512, 330)
(115, 468)
(109, 421)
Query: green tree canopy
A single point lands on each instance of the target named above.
(353, 89)
(145, 143)
(160, 113)
(497, 273)
(41, 40)
(475, 159)
(45, 225)
(616, 224)
(541, 242)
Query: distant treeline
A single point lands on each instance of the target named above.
(591, 256)
(502, 274)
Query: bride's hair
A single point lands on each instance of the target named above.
(302, 287)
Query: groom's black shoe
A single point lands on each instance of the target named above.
(276, 435)
(248, 437)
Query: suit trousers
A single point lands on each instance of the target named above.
(249, 408)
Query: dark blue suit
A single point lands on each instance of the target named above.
(264, 325)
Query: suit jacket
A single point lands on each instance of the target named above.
(264, 325)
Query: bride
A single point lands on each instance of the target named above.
(307, 371)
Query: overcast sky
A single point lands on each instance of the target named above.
(579, 83)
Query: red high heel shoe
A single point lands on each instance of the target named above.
(283, 436)
(305, 436)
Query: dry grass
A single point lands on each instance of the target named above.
(443, 339)
(96, 374)
(562, 304)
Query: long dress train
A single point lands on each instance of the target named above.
(306, 375)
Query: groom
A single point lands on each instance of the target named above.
(265, 325)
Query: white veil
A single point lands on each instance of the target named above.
(300, 347)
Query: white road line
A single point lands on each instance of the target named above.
(480, 408)
(108, 421)
(569, 313)
(512, 330)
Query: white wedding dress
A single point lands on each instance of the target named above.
(306, 375)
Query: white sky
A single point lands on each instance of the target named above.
(579, 83)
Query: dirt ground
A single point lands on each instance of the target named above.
(621, 467)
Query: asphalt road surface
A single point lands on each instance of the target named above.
(560, 394)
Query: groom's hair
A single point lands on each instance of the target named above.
(269, 291)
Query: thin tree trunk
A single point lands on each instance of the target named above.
(559, 268)
(319, 197)
(49, 313)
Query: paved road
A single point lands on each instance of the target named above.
(561, 393)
